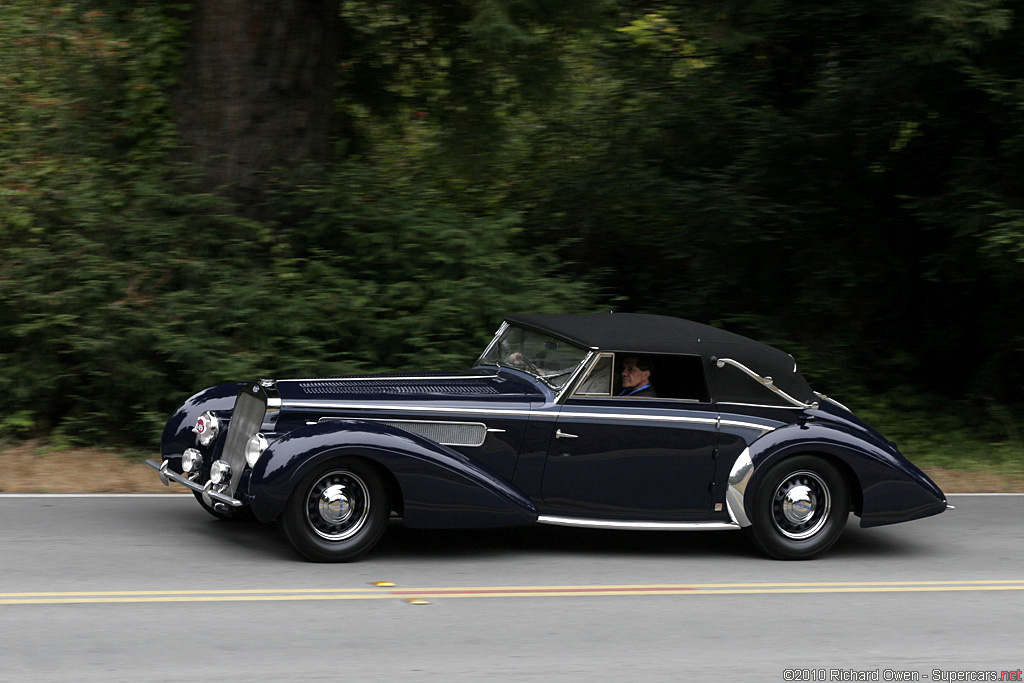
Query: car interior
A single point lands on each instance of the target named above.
(679, 377)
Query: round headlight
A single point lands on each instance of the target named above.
(207, 426)
(220, 472)
(254, 448)
(191, 461)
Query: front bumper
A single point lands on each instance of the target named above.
(168, 475)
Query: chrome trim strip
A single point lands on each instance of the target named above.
(507, 412)
(757, 405)
(764, 429)
(642, 526)
(409, 408)
(739, 477)
(717, 421)
(421, 427)
(643, 418)
(765, 381)
(832, 401)
(167, 475)
(386, 378)
(425, 422)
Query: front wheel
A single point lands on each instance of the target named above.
(800, 508)
(337, 513)
(227, 514)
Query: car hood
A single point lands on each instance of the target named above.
(447, 387)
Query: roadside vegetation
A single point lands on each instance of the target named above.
(841, 180)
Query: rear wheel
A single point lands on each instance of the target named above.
(800, 508)
(336, 513)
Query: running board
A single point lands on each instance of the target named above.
(641, 526)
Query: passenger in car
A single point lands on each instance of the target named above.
(636, 377)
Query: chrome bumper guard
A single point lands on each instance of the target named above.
(167, 476)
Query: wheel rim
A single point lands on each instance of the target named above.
(338, 505)
(801, 505)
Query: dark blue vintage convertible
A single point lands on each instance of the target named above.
(611, 421)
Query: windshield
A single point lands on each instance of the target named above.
(546, 358)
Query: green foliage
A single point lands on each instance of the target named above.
(468, 65)
(838, 178)
(405, 279)
(83, 120)
(121, 294)
(966, 436)
(841, 179)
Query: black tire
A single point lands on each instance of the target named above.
(800, 508)
(337, 513)
(232, 515)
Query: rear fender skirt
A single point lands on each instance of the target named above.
(440, 487)
(890, 488)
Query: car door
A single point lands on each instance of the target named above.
(631, 458)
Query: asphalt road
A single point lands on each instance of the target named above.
(150, 588)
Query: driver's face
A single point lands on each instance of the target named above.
(632, 376)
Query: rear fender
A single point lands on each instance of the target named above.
(889, 487)
(440, 488)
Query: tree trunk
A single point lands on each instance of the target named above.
(257, 91)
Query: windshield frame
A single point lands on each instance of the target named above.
(534, 365)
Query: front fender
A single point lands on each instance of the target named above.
(441, 488)
(178, 434)
(889, 487)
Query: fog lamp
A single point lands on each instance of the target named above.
(207, 426)
(191, 461)
(254, 448)
(220, 472)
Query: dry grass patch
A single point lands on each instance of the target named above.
(31, 468)
(35, 468)
(975, 481)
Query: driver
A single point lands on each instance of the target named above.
(517, 360)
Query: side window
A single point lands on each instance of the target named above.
(673, 377)
(681, 377)
(598, 381)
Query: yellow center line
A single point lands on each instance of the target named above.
(391, 592)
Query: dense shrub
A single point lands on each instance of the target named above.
(122, 291)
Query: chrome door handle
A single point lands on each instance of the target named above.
(562, 435)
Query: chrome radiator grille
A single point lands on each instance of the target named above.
(246, 419)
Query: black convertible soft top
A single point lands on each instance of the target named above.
(643, 333)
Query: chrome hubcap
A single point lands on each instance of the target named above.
(798, 504)
(337, 505)
(801, 504)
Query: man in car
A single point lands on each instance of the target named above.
(636, 377)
